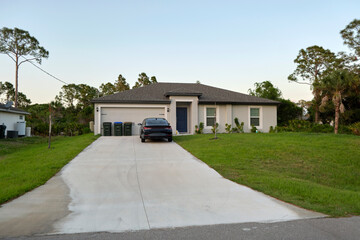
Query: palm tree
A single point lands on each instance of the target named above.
(335, 86)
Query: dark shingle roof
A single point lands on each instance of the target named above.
(160, 92)
(12, 110)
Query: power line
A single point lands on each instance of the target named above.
(45, 71)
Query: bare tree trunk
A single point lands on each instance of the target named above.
(317, 99)
(337, 115)
(16, 80)
(49, 125)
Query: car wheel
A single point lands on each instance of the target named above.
(142, 139)
(169, 139)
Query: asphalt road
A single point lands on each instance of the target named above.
(319, 229)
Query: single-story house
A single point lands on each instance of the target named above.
(13, 119)
(185, 105)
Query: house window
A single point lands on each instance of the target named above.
(255, 117)
(210, 117)
(21, 117)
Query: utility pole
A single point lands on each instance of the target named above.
(49, 125)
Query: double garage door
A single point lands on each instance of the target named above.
(134, 115)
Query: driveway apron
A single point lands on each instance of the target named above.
(120, 184)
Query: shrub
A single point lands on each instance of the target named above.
(215, 128)
(322, 128)
(345, 129)
(253, 129)
(272, 129)
(228, 128)
(282, 129)
(355, 128)
(85, 130)
(199, 129)
(239, 126)
(297, 125)
(305, 126)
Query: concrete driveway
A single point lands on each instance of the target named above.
(120, 184)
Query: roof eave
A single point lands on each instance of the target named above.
(239, 103)
(132, 101)
(14, 111)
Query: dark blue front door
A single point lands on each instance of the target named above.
(181, 119)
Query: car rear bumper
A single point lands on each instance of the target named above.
(157, 135)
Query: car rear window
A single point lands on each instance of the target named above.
(157, 122)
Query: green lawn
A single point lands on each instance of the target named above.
(27, 163)
(320, 172)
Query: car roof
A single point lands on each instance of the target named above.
(154, 118)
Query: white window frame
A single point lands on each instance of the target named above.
(217, 117)
(260, 117)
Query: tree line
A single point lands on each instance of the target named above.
(71, 109)
(333, 79)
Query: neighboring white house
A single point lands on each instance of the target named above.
(12, 118)
(185, 105)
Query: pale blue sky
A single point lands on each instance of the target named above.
(226, 44)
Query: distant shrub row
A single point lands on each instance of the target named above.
(67, 129)
(306, 126)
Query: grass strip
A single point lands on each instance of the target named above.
(27, 163)
(320, 172)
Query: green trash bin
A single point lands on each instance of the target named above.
(107, 128)
(127, 128)
(118, 128)
(2, 131)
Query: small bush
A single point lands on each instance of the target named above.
(215, 128)
(322, 128)
(228, 128)
(355, 128)
(85, 130)
(299, 125)
(234, 130)
(199, 129)
(253, 129)
(345, 129)
(239, 126)
(282, 129)
(272, 129)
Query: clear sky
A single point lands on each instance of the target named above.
(226, 44)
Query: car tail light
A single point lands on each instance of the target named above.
(168, 127)
(147, 128)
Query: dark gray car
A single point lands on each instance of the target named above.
(155, 128)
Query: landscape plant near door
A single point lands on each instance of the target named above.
(315, 171)
(199, 129)
(239, 126)
(215, 128)
(228, 128)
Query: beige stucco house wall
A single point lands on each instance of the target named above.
(225, 113)
(200, 103)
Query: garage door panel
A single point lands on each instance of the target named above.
(134, 115)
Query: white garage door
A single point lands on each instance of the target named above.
(134, 115)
